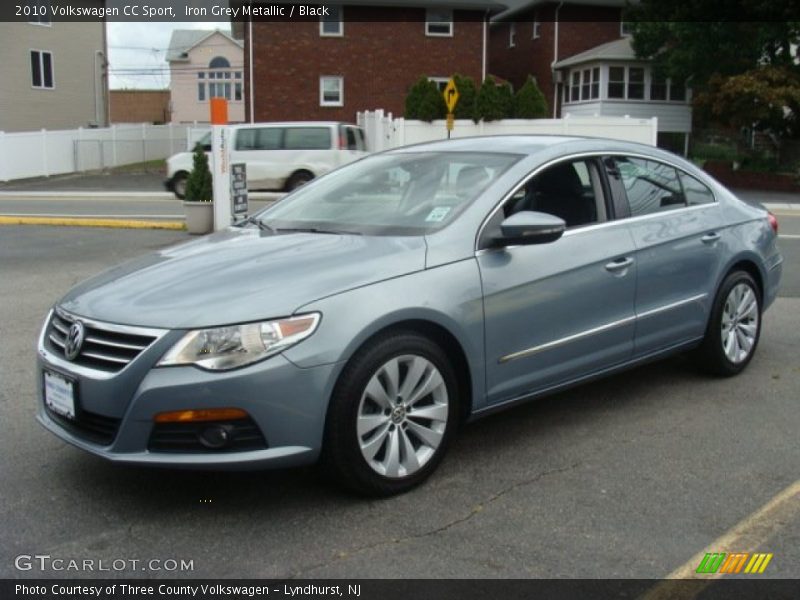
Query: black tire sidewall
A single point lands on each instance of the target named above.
(341, 450)
(712, 350)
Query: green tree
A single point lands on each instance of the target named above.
(702, 38)
(760, 98)
(199, 186)
(494, 101)
(529, 102)
(424, 102)
(467, 93)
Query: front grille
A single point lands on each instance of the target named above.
(244, 435)
(105, 347)
(88, 426)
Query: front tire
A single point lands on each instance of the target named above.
(179, 185)
(392, 415)
(735, 326)
(297, 179)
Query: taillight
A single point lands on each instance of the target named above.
(773, 222)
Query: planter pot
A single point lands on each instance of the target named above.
(199, 217)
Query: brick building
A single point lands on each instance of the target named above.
(581, 56)
(140, 106)
(364, 56)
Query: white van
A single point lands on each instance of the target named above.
(279, 156)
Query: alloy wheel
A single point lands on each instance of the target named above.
(402, 416)
(739, 323)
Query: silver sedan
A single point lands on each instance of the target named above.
(362, 318)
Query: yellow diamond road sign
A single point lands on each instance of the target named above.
(450, 95)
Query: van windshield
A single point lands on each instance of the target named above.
(390, 194)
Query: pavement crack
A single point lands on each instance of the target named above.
(476, 510)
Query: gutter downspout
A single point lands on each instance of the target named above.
(555, 60)
(483, 56)
(250, 67)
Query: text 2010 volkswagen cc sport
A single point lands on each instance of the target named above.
(365, 315)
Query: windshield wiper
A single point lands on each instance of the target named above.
(317, 230)
(252, 220)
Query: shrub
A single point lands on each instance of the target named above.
(199, 186)
(494, 101)
(467, 93)
(529, 102)
(424, 102)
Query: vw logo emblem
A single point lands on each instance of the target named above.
(74, 341)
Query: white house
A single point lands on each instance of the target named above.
(609, 80)
(205, 64)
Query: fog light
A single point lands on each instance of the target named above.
(216, 436)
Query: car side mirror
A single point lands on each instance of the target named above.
(530, 227)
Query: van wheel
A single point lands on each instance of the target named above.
(179, 185)
(392, 415)
(297, 179)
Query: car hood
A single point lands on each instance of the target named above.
(240, 275)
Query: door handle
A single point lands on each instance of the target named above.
(710, 238)
(619, 265)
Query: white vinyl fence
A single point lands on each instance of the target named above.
(384, 132)
(44, 153)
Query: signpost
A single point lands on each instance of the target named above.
(220, 163)
(450, 99)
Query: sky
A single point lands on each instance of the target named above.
(136, 52)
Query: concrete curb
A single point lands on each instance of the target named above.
(82, 222)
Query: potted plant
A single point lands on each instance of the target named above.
(199, 195)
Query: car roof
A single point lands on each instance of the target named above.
(533, 144)
(293, 124)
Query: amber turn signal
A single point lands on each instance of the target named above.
(205, 414)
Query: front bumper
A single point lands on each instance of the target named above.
(286, 402)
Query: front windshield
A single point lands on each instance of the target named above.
(391, 194)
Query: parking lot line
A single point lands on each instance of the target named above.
(88, 222)
(750, 534)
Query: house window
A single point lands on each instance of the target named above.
(439, 22)
(42, 69)
(222, 82)
(575, 92)
(658, 88)
(625, 28)
(636, 83)
(535, 34)
(441, 82)
(583, 85)
(332, 24)
(331, 91)
(512, 33)
(616, 82)
(677, 91)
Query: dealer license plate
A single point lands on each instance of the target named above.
(59, 394)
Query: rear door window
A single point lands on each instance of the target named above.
(650, 186)
(696, 192)
(308, 138)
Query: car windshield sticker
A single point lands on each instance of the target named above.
(437, 214)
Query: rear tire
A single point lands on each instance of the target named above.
(297, 179)
(734, 327)
(392, 414)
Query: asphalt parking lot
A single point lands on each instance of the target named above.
(627, 477)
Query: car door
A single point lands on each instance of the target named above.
(677, 229)
(559, 311)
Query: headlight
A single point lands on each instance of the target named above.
(224, 348)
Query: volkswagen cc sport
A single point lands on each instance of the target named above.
(366, 315)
